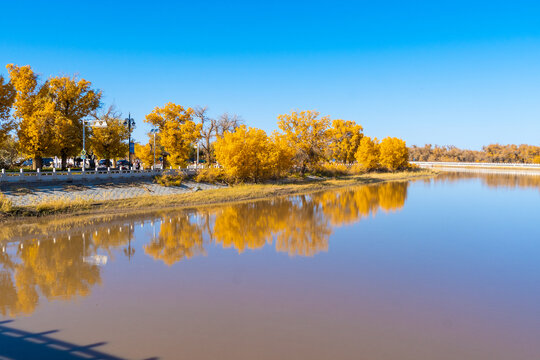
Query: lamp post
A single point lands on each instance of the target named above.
(130, 123)
(154, 131)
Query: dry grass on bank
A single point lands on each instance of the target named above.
(236, 193)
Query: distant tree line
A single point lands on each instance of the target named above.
(495, 153)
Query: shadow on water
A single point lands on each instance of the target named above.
(18, 344)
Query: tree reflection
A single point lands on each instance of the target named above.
(52, 269)
(64, 267)
(178, 239)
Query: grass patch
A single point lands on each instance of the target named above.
(169, 180)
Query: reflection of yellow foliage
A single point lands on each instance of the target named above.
(347, 206)
(307, 231)
(55, 270)
(248, 225)
(392, 195)
(178, 239)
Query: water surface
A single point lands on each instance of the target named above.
(447, 268)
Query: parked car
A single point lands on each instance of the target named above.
(123, 165)
(103, 164)
(45, 162)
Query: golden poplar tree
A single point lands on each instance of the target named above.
(394, 154)
(36, 112)
(244, 154)
(306, 133)
(344, 138)
(109, 140)
(7, 97)
(73, 100)
(145, 153)
(178, 132)
(281, 155)
(367, 154)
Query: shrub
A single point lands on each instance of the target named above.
(331, 170)
(169, 180)
(6, 205)
(210, 175)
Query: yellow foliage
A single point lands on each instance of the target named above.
(7, 97)
(394, 154)
(178, 132)
(244, 154)
(536, 159)
(210, 175)
(109, 142)
(6, 204)
(145, 153)
(73, 100)
(344, 138)
(36, 112)
(367, 154)
(332, 169)
(306, 133)
(281, 155)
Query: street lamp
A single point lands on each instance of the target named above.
(130, 123)
(154, 131)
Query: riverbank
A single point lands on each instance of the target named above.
(194, 198)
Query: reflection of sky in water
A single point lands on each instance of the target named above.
(448, 265)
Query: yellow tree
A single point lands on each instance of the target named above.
(36, 113)
(244, 154)
(344, 138)
(281, 155)
(178, 131)
(306, 133)
(109, 139)
(367, 154)
(394, 154)
(145, 153)
(73, 100)
(7, 97)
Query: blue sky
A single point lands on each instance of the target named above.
(464, 73)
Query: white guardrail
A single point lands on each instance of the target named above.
(83, 176)
(476, 165)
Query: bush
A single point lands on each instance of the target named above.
(5, 204)
(331, 170)
(211, 175)
(169, 180)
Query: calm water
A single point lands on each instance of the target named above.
(447, 268)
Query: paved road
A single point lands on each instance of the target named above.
(29, 195)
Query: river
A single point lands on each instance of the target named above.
(443, 268)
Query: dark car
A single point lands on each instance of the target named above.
(123, 165)
(103, 164)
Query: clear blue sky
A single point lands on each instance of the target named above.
(456, 72)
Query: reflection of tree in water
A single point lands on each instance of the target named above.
(53, 269)
(250, 225)
(178, 239)
(307, 229)
(347, 206)
(299, 225)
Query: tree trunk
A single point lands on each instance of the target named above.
(63, 156)
(37, 163)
